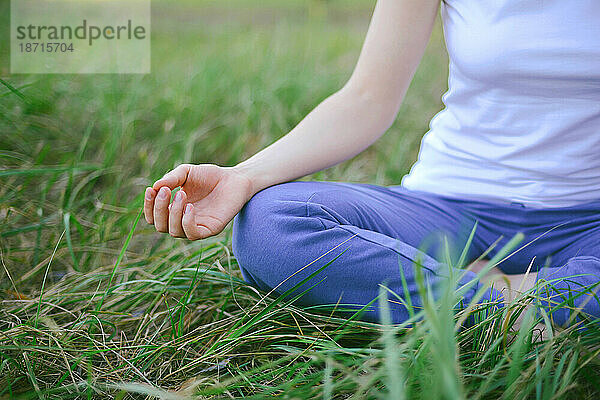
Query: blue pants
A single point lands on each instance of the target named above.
(288, 231)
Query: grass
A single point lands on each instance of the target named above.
(94, 304)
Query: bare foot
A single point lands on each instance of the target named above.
(511, 286)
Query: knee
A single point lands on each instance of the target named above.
(274, 236)
(586, 270)
(251, 226)
(268, 223)
(588, 267)
(571, 286)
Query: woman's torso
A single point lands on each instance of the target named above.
(522, 113)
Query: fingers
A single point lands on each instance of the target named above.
(161, 209)
(177, 218)
(149, 205)
(166, 216)
(174, 178)
(192, 230)
(176, 214)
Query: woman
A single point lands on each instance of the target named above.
(516, 149)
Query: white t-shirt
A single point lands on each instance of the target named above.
(521, 121)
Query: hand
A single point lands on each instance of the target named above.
(210, 196)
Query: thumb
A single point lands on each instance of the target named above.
(173, 178)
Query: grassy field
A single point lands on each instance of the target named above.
(95, 304)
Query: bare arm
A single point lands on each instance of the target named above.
(339, 128)
(353, 118)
